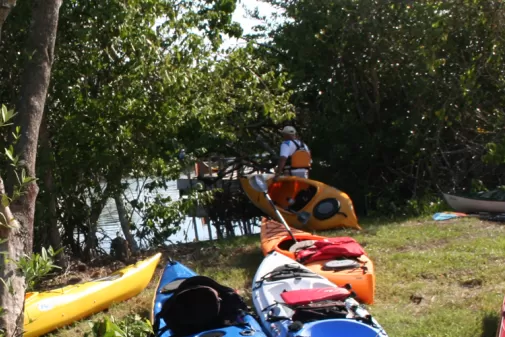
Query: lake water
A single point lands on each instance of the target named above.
(108, 222)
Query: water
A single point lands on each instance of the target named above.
(108, 223)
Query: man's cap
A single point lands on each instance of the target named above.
(289, 130)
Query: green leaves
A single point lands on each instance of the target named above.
(495, 153)
(6, 116)
(390, 97)
(131, 326)
(37, 266)
(9, 152)
(5, 200)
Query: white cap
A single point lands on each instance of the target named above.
(289, 130)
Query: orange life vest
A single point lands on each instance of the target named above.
(300, 159)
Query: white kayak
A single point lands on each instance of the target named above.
(291, 301)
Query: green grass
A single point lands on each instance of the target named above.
(457, 268)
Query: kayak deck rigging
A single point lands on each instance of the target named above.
(284, 272)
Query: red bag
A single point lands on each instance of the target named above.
(330, 248)
(305, 296)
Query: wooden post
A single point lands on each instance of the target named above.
(196, 228)
(209, 228)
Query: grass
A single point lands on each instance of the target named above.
(434, 279)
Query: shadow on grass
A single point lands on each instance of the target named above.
(249, 260)
(144, 313)
(490, 325)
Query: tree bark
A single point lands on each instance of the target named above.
(125, 223)
(97, 207)
(12, 302)
(30, 109)
(5, 8)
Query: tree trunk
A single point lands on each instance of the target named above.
(12, 302)
(51, 221)
(97, 207)
(34, 85)
(125, 223)
(5, 9)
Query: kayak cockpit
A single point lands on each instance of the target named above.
(198, 304)
(339, 328)
(292, 195)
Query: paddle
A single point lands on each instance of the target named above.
(258, 182)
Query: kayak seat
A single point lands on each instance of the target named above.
(199, 304)
(302, 198)
(306, 296)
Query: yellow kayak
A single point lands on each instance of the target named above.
(49, 310)
(327, 206)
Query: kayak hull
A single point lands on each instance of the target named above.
(328, 207)
(469, 205)
(275, 317)
(176, 271)
(275, 238)
(47, 311)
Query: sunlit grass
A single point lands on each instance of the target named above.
(434, 279)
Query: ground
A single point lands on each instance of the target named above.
(434, 279)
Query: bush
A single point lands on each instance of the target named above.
(130, 326)
(37, 266)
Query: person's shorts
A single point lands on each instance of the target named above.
(298, 173)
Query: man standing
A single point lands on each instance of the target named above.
(295, 158)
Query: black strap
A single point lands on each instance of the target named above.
(298, 147)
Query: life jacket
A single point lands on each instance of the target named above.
(300, 159)
(330, 248)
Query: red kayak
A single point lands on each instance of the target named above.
(501, 327)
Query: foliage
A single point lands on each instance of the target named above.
(6, 117)
(129, 91)
(130, 326)
(37, 266)
(229, 207)
(396, 100)
(496, 153)
(22, 180)
(496, 194)
(160, 216)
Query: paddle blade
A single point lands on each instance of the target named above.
(258, 183)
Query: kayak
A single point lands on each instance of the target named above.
(188, 304)
(291, 301)
(501, 327)
(49, 310)
(339, 266)
(471, 205)
(326, 206)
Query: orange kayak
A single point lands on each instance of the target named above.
(359, 274)
(328, 207)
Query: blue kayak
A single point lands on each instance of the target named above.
(336, 328)
(187, 304)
